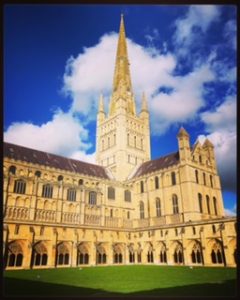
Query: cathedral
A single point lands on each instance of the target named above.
(125, 209)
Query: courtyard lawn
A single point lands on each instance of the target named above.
(121, 281)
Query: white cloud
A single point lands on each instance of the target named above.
(230, 33)
(200, 16)
(63, 135)
(230, 212)
(221, 125)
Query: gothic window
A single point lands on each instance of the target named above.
(163, 255)
(60, 178)
(80, 182)
(215, 205)
(111, 193)
(62, 254)
(111, 213)
(142, 187)
(178, 255)
(101, 255)
(14, 255)
(82, 256)
(196, 175)
(217, 254)
(71, 195)
(208, 204)
(139, 257)
(158, 207)
(117, 255)
(92, 198)
(194, 230)
(211, 180)
(128, 214)
(19, 186)
(127, 196)
(175, 204)
(47, 191)
(196, 254)
(204, 178)
(141, 210)
(200, 203)
(131, 255)
(150, 256)
(39, 255)
(12, 170)
(200, 158)
(156, 183)
(173, 176)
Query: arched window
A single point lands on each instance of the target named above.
(213, 228)
(142, 187)
(150, 256)
(111, 193)
(19, 186)
(101, 255)
(217, 254)
(60, 178)
(111, 213)
(204, 178)
(178, 255)
(127, 196)
(173, 176)
(175, 204)
(128, 214)
(200, 203)
(39, 255)
(156, 183)
(200, 158)
(131, 255)
(71, 194)
(12, 170)
(62, 254)
(47, 191)
(208, 204)
(215, 205)
(211, 180)
(92, 198)
(80, 182)
(141, 210)
(158, 207)
(117, 255)
(196, 175)
(14, 255)
(196, 254)
(163, 255)
(83, 256)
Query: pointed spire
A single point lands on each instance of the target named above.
(207, 143)
(122, 73)
(144, 102)
(182, 132)
(101, 105)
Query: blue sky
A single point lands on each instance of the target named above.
(59, 58)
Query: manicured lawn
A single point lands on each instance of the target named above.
(122, 281)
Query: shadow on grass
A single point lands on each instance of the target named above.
(20, 288)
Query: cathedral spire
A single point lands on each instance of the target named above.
(144, 102)
(122, 78)
(101, 105)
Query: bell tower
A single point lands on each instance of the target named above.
(123, 137)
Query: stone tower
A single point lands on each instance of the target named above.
(123, 137)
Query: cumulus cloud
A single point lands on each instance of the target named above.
(62, 135)
(221, 125)
(198, 16)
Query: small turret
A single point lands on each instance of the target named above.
(101, 112)
(209, 149)
(183, 145)
(144, 110)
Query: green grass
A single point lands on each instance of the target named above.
(122, 281)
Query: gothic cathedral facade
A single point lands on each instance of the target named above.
(127, 208)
